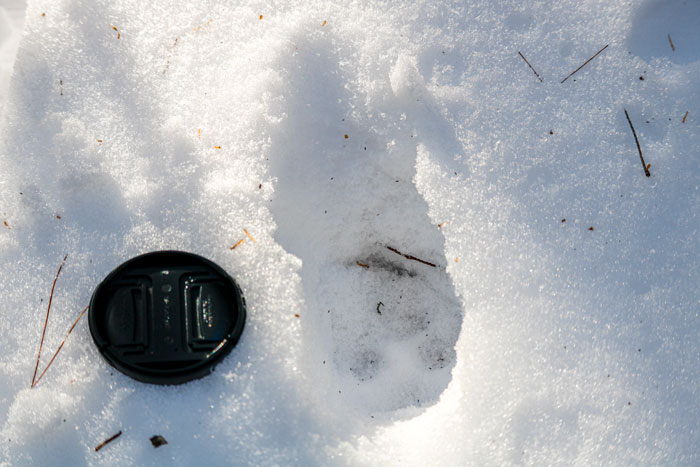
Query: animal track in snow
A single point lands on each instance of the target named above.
(375, 318)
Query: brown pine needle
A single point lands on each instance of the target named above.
(46, 321)
(639, 148)
(528, 64)
(670, 41)
(107, 441)
(584, 63)
(249, 235)
(685, 116)
(202, 26)
(410, 257)
(238, 243)
(361, 264)
(60, 346)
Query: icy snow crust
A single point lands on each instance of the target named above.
(529, 340)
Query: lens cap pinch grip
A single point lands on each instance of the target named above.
(166, 317)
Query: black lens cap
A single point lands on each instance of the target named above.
(166, 317)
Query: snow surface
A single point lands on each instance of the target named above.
(130, 128)
(11, 19)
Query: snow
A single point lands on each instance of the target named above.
(554, 318)
(11, 19)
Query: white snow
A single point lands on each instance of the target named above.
(558, 321)
(11, 20)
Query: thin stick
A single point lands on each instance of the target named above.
(584, 64)
(673, 48)
(238, 243)
(46, 321)
(528, 64)
(107, 441)
(410, 257)
(639, 148)
(249, 235)
(686, 115)
(60, 346)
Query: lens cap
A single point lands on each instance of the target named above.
(166, 317)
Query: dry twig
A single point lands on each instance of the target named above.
(46, 321)
(107, 441)
(36, 380)
(584, 64)
(249, 235)
(60, 346)
(639, 148)
(410, 257)
(528, 64)
(670, 41)
(202, 26)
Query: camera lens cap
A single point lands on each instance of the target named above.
(166, 317)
